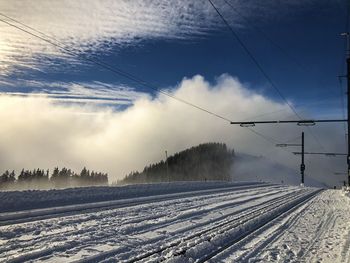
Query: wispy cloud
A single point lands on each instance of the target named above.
(90, 25)
(94, 92)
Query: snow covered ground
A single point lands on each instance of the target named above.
(232, 223)
(31, 199)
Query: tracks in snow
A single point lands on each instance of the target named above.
(41, 239)
(202, 245)
(191, 226)
(10, 218)
(270, 230)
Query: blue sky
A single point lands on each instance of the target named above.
(304, 66)
(297, 43)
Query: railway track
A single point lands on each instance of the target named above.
(162, 236)
(235, 229)
(235, 225)
(10, 218)
(85, 226)
(251, 232)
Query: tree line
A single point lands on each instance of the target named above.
(59, 178)
(209, 161)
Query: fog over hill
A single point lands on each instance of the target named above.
(216, 162)
(205, 162)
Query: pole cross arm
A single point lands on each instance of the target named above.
(286, 144)
(298, 122)
(319, 153)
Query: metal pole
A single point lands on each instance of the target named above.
(302, 166)
(167, 166)
(346, 34)
(348, 93)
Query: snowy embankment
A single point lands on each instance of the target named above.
(127, 198)
(209, 224)
(32, 199)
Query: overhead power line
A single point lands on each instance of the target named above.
(60, 45)
(255, 61)
(269, 39)
(261, 69)
(52, 41)
(107, 67)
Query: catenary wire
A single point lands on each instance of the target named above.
(255, 61)
(261, 69)
(119, 71)
(264, 35)
(282, 50)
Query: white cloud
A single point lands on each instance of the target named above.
(80, 92)
(38, 132)
(92, 25)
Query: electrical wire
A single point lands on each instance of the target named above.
(112, 69)
(44, 37)
(255, 61)
(263, 34)
(282, 50)
(118, 71)
(52, 38)
(262, 71)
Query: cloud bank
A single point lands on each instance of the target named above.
(39, 132)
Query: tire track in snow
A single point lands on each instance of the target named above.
(345, 254)
(9, 218)
(150, 242)
(285, 209)
(212, 198)
(308, 255)
(61, 246)
(183, 244)
(253, 245)
(321, 234)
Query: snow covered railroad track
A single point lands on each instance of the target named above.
(204, 245)
(278, 213)
(152, 231)
(9, 218)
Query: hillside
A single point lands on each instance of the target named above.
(215, 162)
(205, 162)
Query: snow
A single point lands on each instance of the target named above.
(30, 199)
(318, 231)
(185, 222)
